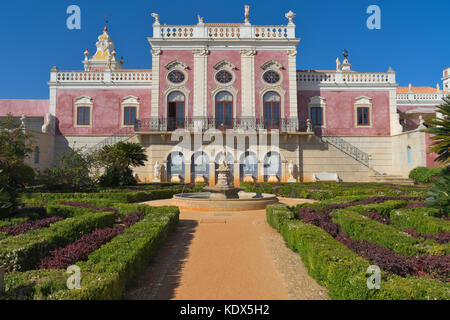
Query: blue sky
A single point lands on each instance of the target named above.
(414, 35)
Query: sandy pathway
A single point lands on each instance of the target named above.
(225, 256)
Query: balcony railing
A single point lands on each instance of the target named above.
(204, 123)
(331, 78)
(138, 77)
(405, 98)
(224, 31)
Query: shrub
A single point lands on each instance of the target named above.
(438, 196)
(278, 214)
(21, 228)
(360, 227)
(26, 250)
(117, 177)
(420, 220)
(73, 173)
(424, 174)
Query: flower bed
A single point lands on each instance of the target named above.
(108, 270)
(20, 228)
(343, 271)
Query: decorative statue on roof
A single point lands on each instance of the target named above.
(338, 64)
(200, 19)
(156, 16)
(247, 10)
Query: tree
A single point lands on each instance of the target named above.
(72, 172)
(117, 159)
(439, 127)
(15, 146)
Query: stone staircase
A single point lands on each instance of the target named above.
(365, 159)
(121, 135)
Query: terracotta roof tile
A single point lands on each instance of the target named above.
(418, 90)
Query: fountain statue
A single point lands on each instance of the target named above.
(224, 196)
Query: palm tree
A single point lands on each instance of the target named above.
(439, 127)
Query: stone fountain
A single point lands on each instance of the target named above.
(224, 189)
(224, 196)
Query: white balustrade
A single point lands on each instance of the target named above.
(123, 77)
(314, 77)
(224, 31)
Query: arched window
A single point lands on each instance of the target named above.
(272, 116)
(224, 110)
(36, 155)
(175, 110)
(409, 152)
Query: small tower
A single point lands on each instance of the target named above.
(105, 56)
(345, 63)
(446, 79)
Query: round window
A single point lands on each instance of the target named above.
(271, 77)
(223, 76)
(176, 76)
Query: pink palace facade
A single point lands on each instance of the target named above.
(235, 77)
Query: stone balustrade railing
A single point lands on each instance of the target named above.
(224, 31)
(331, 78)
(119, 77)
(422, 97)
(159, 124)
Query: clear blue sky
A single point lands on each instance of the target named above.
(414, 35)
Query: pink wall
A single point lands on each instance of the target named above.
(187, 57)
(233, 56)
(430, 156)
(340, 114)
(261, 57)
(106, 114)
(30, 108)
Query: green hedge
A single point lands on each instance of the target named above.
(420, 219)
(360, 227)
(108, 271)
(384, 208)
(424, 174)
(277, 214)
(28, 249)
(343, 272)
(128, 197)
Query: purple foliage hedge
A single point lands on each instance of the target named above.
(24, 227)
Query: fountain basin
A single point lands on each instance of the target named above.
(208, 201)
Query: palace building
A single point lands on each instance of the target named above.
(235, 79)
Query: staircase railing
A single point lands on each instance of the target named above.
(120, 135)
(345, 147)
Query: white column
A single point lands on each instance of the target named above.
(200, 81)
(248, 82)
(292, 74)
(155, 82)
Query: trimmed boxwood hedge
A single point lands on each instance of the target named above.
(419, 218)
(343, 272)
(109, 269)
(26, 250)
(361, 227)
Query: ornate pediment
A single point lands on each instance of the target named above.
(224, 64)
(272, 64)
(176, 64)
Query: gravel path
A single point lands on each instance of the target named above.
(215, 256)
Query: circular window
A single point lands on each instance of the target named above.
(271, 77)
(223, 76)
(176, 76)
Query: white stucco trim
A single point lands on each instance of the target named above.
(82, 101)
(281, 92)
(363, 102)
(318, 101)
(128, 101)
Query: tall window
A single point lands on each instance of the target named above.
(129, 115)
(363, 116)
(316, 116)
(175, 110)
(409, 151)
(36, 155)
(224, 110)
(272, 116)
(83, 114)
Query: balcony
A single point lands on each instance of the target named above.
(158, 125)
